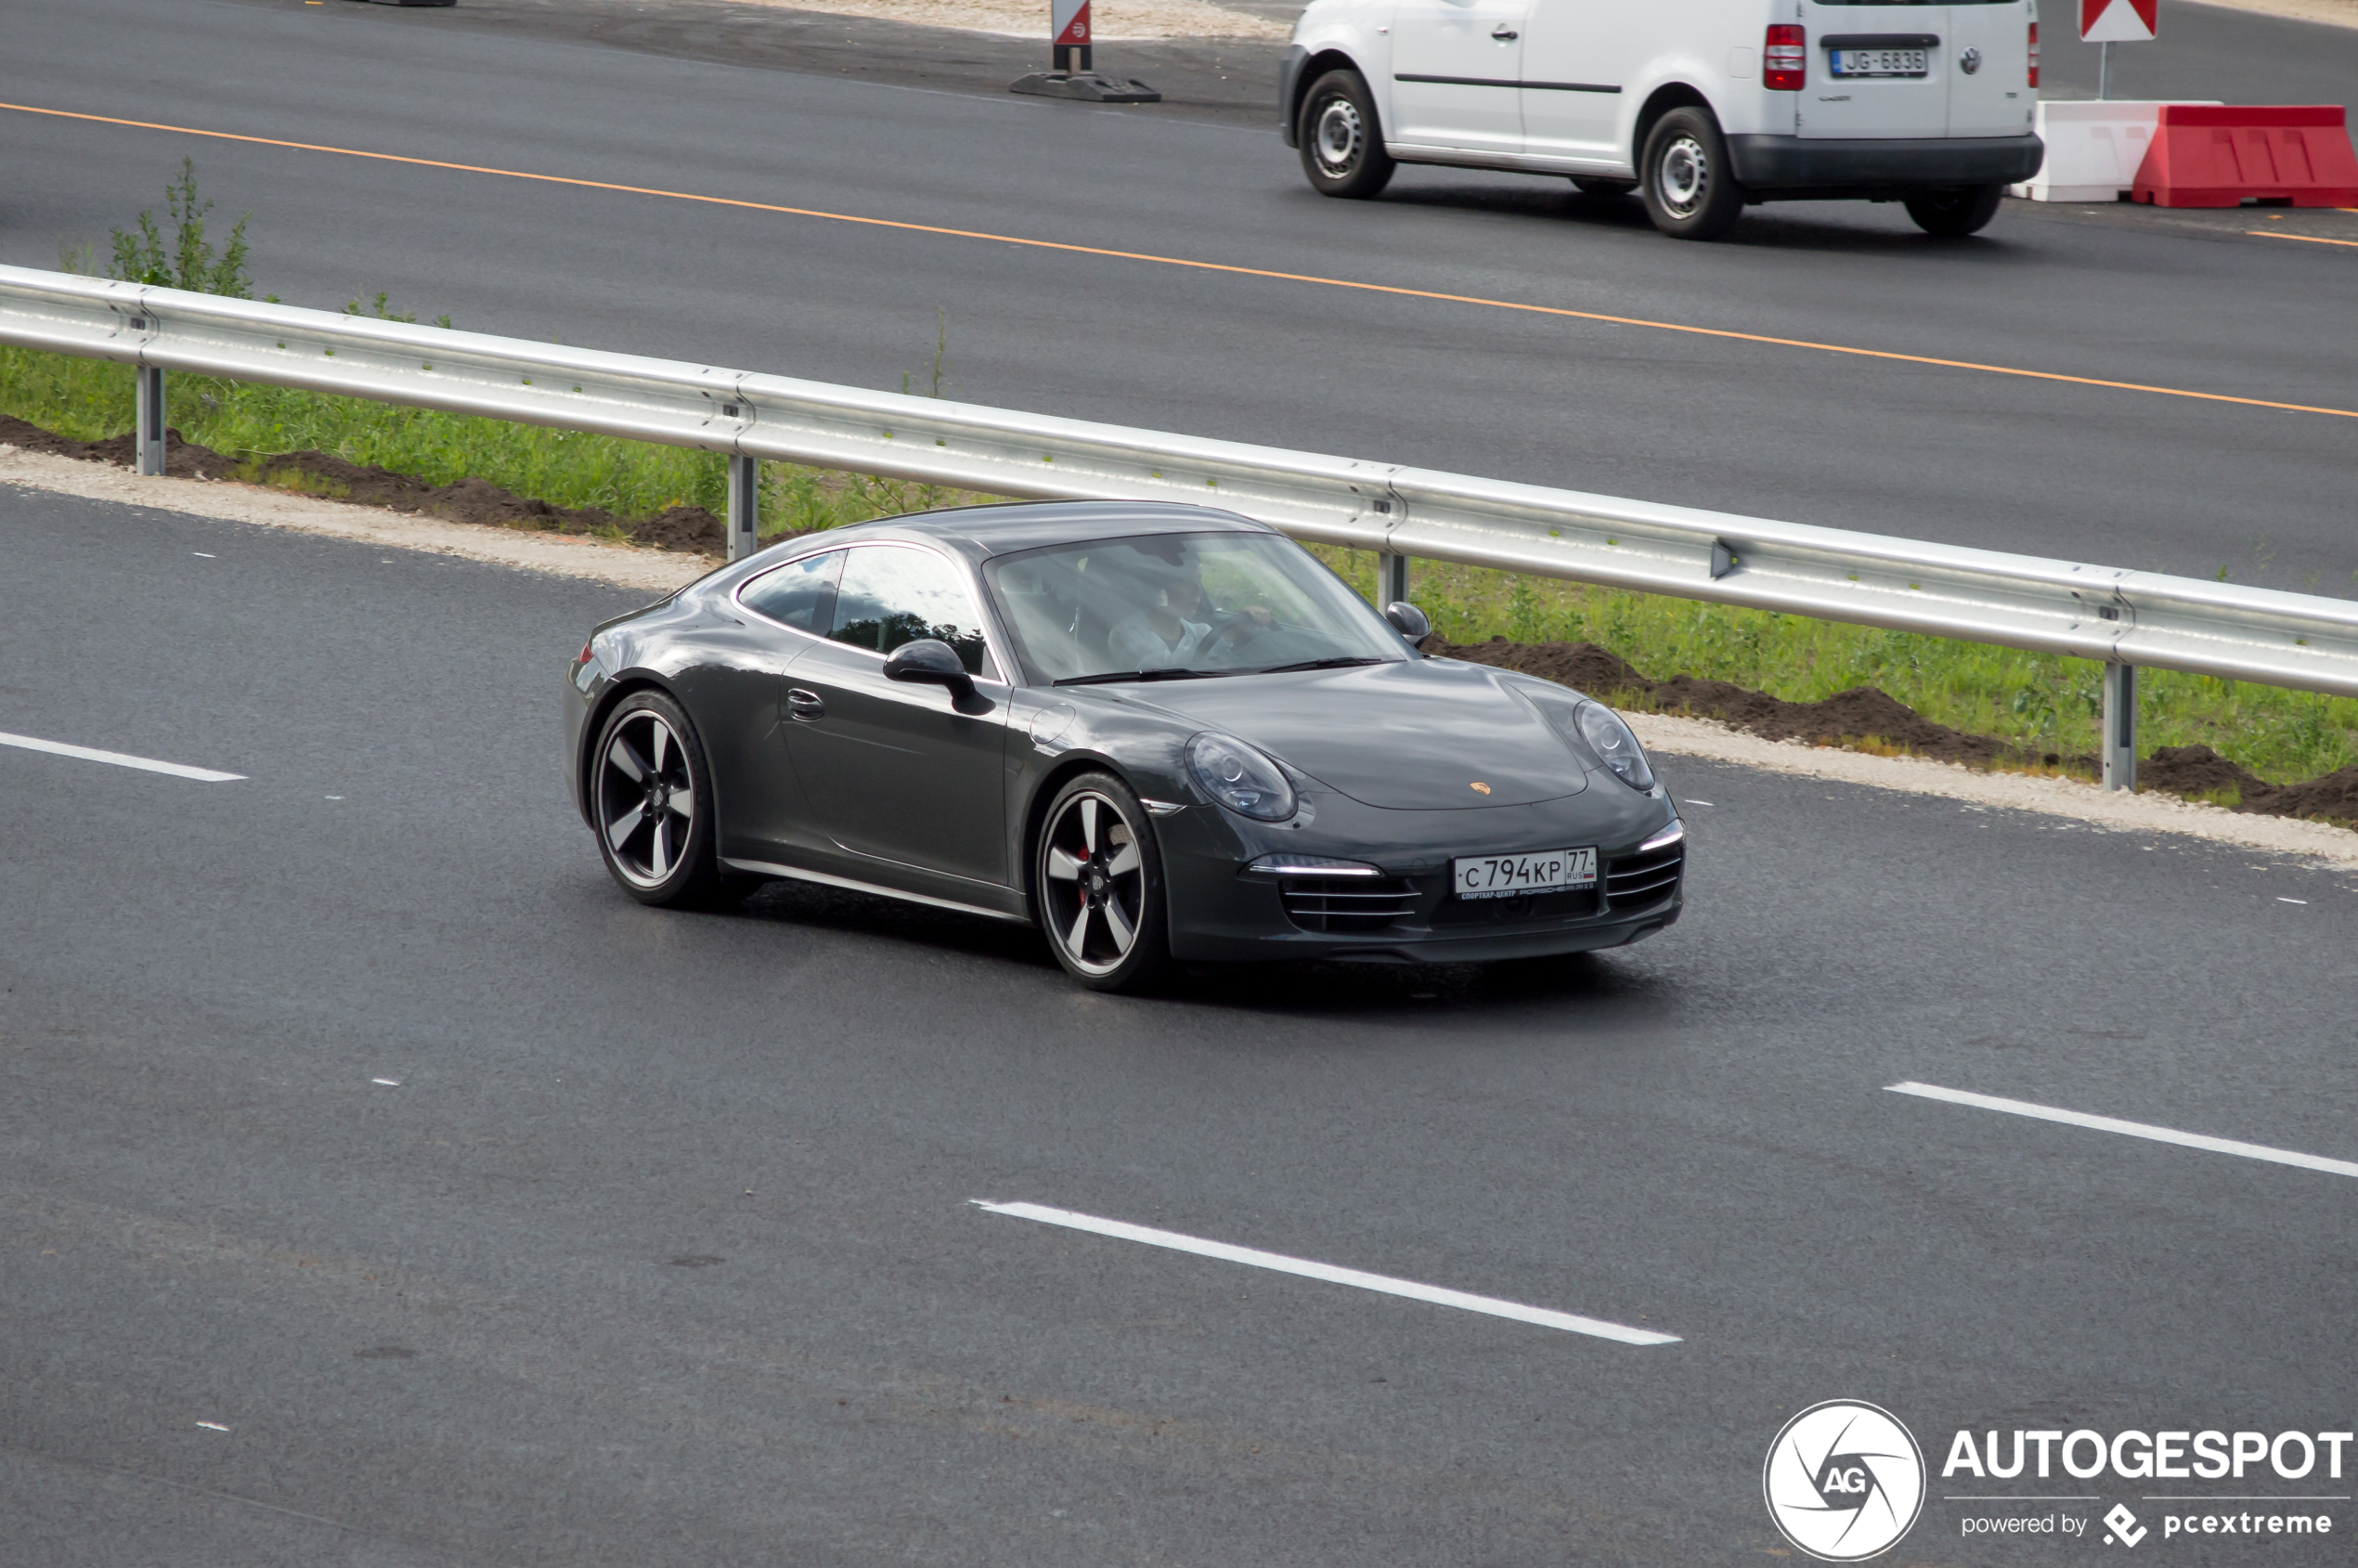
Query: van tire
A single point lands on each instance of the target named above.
(1690, 188)
(1952, 214)
(1341, 139)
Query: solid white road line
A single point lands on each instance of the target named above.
(1329, 1273)
(2131, 1129)
(90, 754)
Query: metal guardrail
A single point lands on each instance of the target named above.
(2124, 619)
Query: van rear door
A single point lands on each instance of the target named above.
(1995, 98)
(1875, 71)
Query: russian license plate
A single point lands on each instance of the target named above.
(1878, 62)
(1511, 877)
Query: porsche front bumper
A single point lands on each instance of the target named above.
(1221, 912)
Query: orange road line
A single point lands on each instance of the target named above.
(2313, 239)
(1204, 266)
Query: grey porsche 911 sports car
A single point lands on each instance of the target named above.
(1156, 731)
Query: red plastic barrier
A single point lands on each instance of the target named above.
(2220, 155)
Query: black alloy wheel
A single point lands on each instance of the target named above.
(1689, 187)
(1341, 141)
(651, 800)
(1097, 886)
(1952, 214)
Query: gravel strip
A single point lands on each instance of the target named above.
(2114, 812)
(658, 572)
(1110, 20)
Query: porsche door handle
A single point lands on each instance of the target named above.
(1504, 34)
(804, 704)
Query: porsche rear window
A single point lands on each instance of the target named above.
(800, 593)
(892, 594)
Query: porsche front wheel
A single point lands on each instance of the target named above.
(1097, 886)
(651, 800)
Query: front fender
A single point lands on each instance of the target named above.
(1323, 45)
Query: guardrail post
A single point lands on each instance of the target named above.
(1392, 578)
(146, 436)
(2119, 746)
(745, 506)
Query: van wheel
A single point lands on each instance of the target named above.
(1341, 141)
(1689, 191)
(1952, 214)
(1587, 187)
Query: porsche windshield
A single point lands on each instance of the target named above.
(1169, 605)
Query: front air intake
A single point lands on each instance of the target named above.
(1347, 905)
(1635, 881)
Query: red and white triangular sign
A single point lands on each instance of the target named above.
(1069, 21)
(2118, 21)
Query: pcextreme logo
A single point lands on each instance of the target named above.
(1844, 1480)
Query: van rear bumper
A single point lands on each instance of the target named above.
(1785, 168)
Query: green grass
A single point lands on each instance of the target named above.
(91, 399)
(2037, 703)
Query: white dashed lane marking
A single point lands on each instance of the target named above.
(117, 759)
(2129, 1129)
(1545, 1317)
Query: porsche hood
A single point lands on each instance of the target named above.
(1425, 734)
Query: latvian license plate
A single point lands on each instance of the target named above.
(1878, 62)
(1510, 876)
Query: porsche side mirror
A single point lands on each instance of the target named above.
(1407, 620)
(931, 662)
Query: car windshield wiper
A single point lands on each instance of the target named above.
(1336, 663)
(1144, 675)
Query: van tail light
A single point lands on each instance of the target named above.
(2034, 54)
(1784, 59)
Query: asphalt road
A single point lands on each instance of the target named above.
(2130, 477)
(657, 1246)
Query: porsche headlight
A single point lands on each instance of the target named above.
(1613, 742)
(1240, 778)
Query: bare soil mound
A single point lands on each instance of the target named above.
(2198, 771)
(687, 529)
(1867, 717)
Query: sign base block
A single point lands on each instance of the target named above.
(1087, 86)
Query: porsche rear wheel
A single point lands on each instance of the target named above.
(1097, 886)
(651, 801)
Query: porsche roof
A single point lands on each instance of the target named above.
(1015, 525)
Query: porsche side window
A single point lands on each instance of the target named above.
(889, 595)
(802, 593)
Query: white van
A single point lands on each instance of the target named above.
(1701, 106)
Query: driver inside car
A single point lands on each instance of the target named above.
(1166, 635)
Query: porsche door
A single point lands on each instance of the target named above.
(903, 776)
